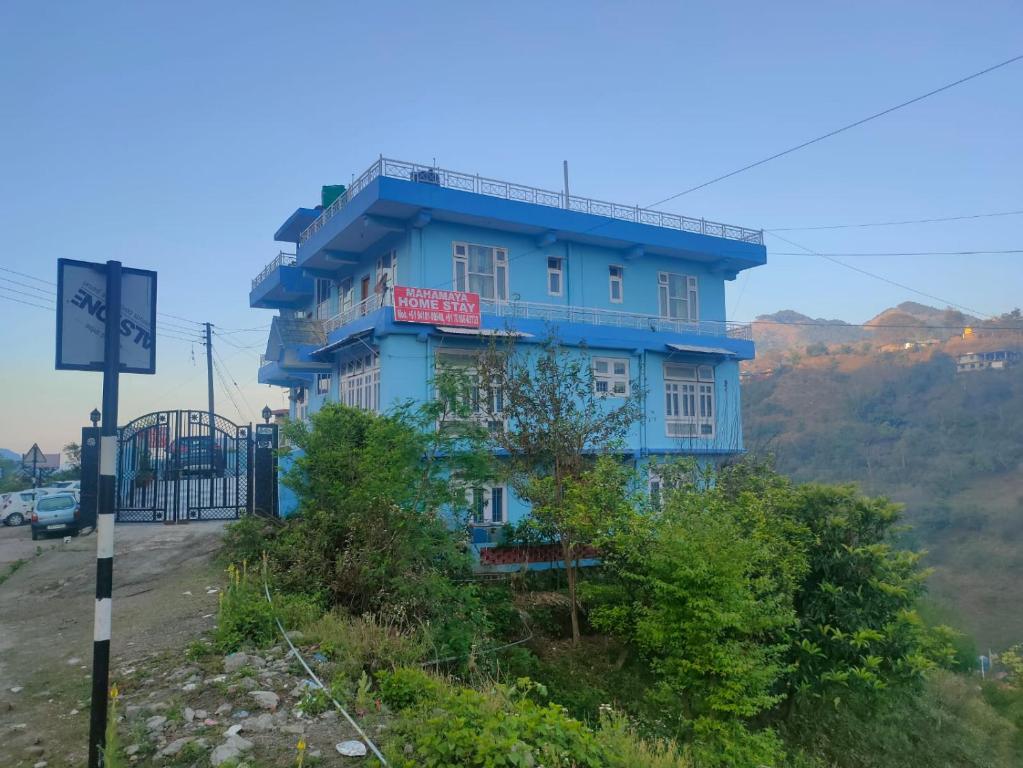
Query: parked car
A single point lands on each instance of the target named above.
(55, 513)
(16, 507)
(199, 454)
(67, 485)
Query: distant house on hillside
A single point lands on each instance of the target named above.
(980, 361)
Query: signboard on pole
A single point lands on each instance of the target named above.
(435, 307)
(81, 317)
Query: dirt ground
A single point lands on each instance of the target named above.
(160, 602)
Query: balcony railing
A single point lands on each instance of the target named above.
(466, 182)
(354, 312)
(265, 361)
(283, 260)
(565, 314)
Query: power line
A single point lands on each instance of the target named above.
(251, 410)
(48, 297)
(837, 131)
(904, 253)
(25, 274)
(28, 303)
(895, 223)
(876, 276)
(842, 324)
(48, 292)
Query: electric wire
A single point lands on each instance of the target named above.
(837, 131)
(894, 223)
(904, 253)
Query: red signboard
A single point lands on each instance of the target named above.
(434, 307)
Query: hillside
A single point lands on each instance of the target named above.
(949, 447)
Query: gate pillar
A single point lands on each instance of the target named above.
(264, 471)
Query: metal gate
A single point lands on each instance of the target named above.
(174, 466)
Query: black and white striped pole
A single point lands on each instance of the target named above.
(105, 519)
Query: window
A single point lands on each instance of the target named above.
(689, 400)
(555, 276)
(323, 383)
(322, 299)
(677, 297)
(616, 283)
(359, 384)
(487, 505)
(479, 401)
(387, 274)
(345, 296)
(481, 269)
(611, 376)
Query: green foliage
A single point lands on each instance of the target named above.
(247, 619)
(372, 535)
(361, 644)
(441, 724)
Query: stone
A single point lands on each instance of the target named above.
(259, 724)
(235, 661)
(224, 708)
(266, 699)
(175, 747)
(200, 714)
(40, 764)
(297, 729)
(188, 714)
(17, 689)
(35, 750)
(295, 634)
(189, 687)
(132, 749)
(248, 684)
(223, 754)
(233, 730)
(242, 744)
(351, 748)
(156, 723)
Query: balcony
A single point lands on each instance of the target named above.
(505, 190)
(280, 285)
(558, 313)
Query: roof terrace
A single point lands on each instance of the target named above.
(466, 182)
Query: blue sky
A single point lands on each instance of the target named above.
(178, 136)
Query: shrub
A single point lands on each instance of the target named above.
(247, 618)
(407, 687)
(362, 644)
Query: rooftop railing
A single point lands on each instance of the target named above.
(283, 260)
(466, 182)
(607, 317)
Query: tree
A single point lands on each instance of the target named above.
(73, 454)
(558, 419)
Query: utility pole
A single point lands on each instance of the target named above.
(213, 424)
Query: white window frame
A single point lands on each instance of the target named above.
(481, 505)
(690, 410)
(613, 280)
(323, 383)
(387, 266)
(617, 383)
(490, 416)
(461, 277)
(691, 297)
(556, 269)
(321, 299)
(345, 295)
(359, 382)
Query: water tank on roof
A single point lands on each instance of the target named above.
(331, 192)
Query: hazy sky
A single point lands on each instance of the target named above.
(178, 136)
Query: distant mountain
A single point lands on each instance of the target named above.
(909, 321)
(7, 453)
(788, 328)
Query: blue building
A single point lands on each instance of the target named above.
(643, 290)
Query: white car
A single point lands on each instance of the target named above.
(16, 507)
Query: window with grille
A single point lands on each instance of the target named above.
(481, 269)
(475, 400)
(487, 505)
(689, 400)
(359, 384)
(611, 376)
(323, 383)
(678, 297)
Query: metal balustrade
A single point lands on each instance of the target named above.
(466, 182)
(567, 314)
(283, 260)
(607, 317)
(353, 312)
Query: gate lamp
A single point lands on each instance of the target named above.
(267, 413)
(94, 416)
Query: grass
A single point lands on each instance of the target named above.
(12, 569)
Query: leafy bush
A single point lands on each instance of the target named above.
(407, 687)
(361, 644)
(247, 618)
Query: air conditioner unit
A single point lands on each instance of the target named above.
(426, 176)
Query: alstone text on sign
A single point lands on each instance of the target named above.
(436, 307)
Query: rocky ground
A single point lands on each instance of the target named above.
(181, 705)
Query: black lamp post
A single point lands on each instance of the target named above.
(94, 417)
(267, 413)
